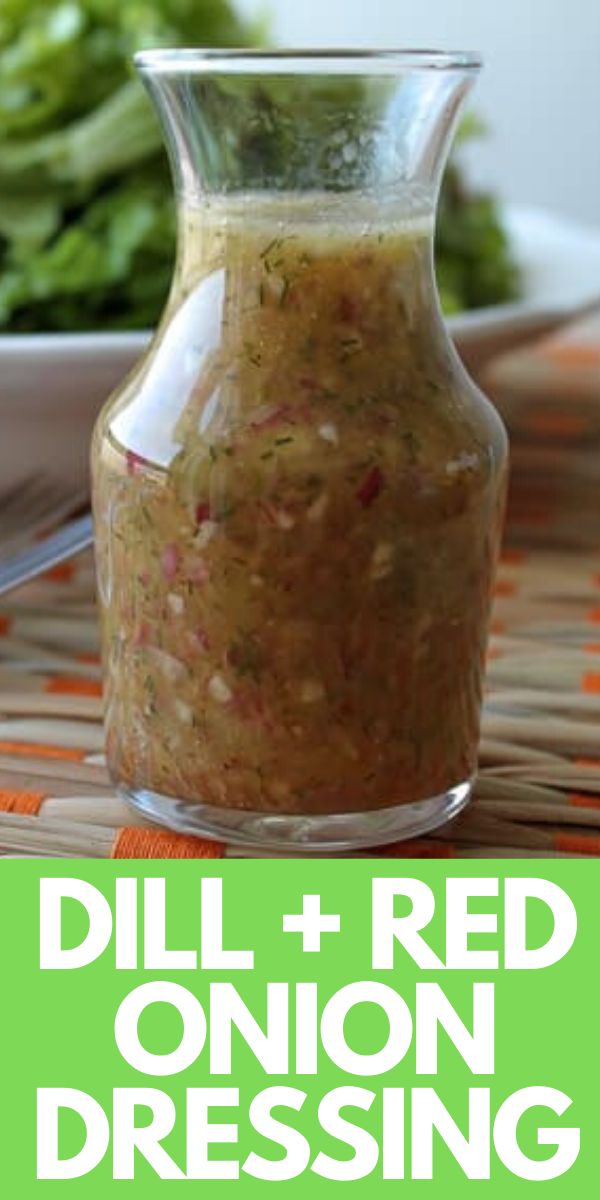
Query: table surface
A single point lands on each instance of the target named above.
(538, 790)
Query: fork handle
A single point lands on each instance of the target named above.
(69, 540)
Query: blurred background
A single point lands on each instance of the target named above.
(539, 93)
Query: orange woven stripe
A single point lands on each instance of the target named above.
(514, 557)
(419, 848)
(590, 682)
(498, 627)
(572, 354)
(35, 751)
(556, 424)
(61, 573)
(5, 624)
(587, 762)
(576, 843)
(505, 587)
(592, 648)
(27, 803)
(149, 843)
(74, 687)
(539, 519)
(594, 616)
(579, 800)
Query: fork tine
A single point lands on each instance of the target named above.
(41, 494)
(18, 499)
(12, 495)
(40, 503)
(53, 502)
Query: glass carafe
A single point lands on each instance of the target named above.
(298, 492)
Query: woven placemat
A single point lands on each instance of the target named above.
(538, 792)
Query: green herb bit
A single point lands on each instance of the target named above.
(150, 689)
(246, 656)
(283, 441)
(264, 254)
(276, 244)
(412, 446)
(253, 355)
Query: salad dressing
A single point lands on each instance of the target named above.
(298, 501)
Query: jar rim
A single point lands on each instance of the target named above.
(334, 61)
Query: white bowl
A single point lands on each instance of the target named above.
(560, 265)
(51, 388)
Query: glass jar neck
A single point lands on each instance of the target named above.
(316, 153)
(262, 125)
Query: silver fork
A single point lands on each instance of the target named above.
(30, 541)
(74, 536)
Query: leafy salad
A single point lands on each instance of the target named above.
(86, 213)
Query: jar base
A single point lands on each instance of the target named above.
(315, 833)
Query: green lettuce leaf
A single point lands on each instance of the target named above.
(86, 215)
(87, 228)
